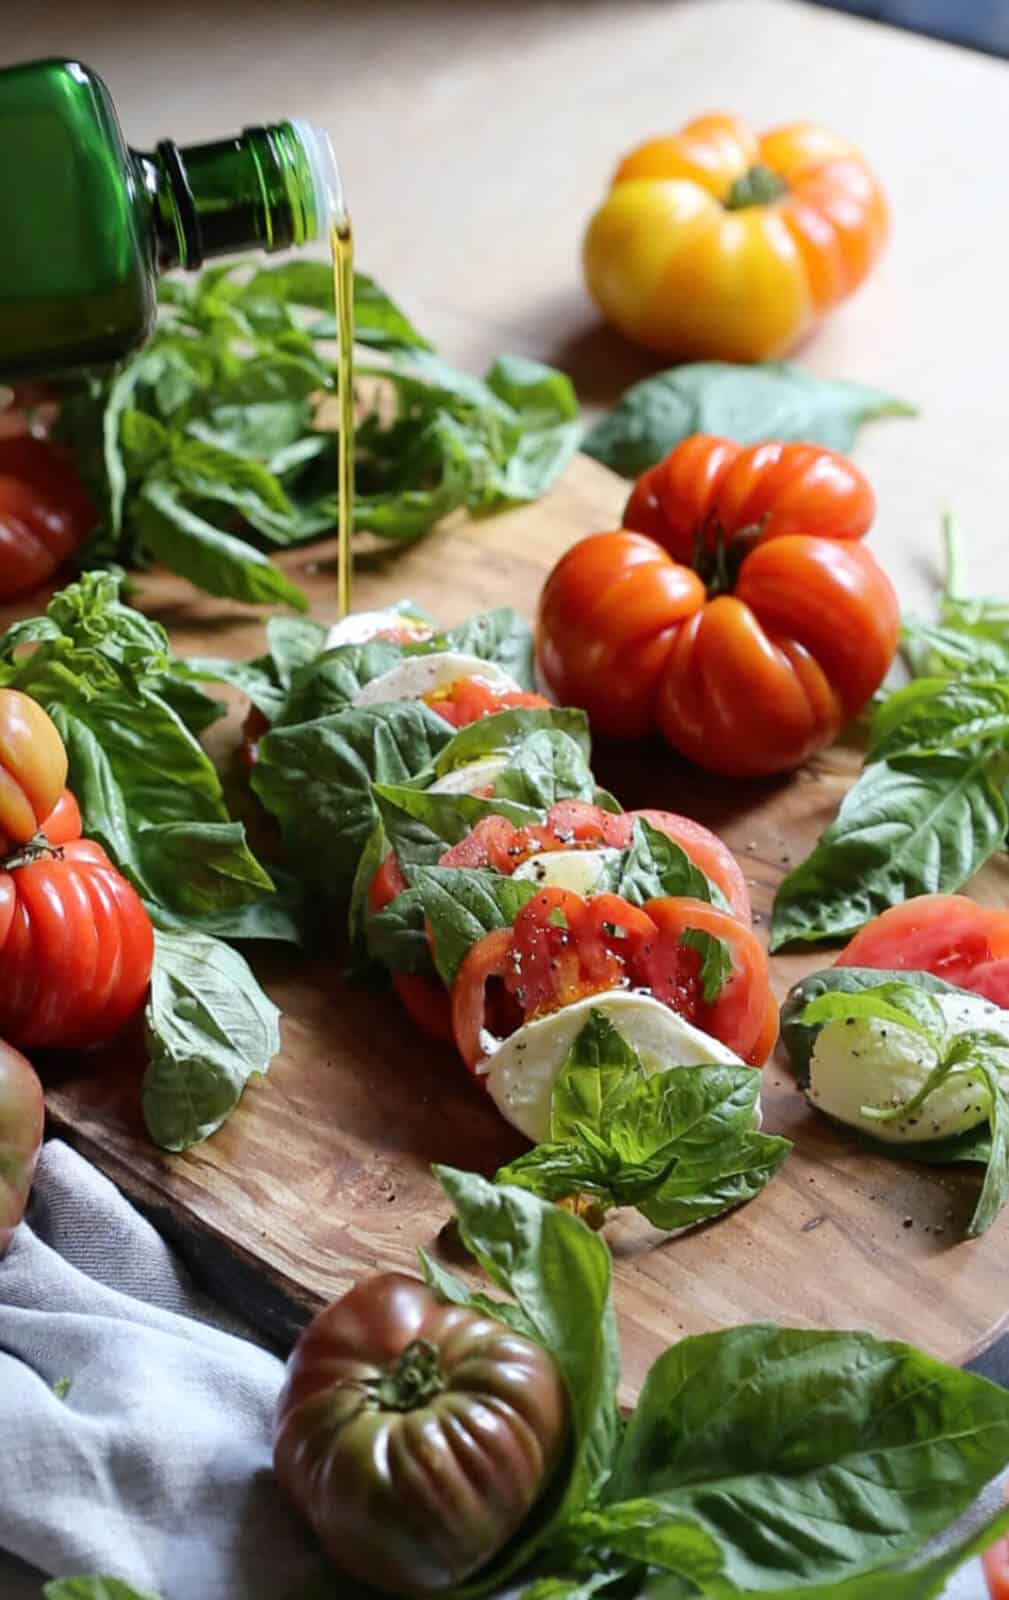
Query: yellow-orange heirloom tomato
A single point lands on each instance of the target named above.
(719, 243)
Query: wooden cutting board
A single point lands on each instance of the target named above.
(323, 1174)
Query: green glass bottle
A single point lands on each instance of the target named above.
(91, 223)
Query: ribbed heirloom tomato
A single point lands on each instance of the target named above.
(33, 768)
(416, 1436)
(719, 242)
(45, 513)
(22, 1117)
(76, 947)
(748, 626)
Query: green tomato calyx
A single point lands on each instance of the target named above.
(758, 186)
(415, 1381)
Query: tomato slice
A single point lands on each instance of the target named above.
(563, 948)
(468, 699)
(948, 935)
(739, 1015)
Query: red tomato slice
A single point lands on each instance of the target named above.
(468, 700)
(739, 1015)
(948, 935)
(563, 948)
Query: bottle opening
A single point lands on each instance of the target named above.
(330, 206)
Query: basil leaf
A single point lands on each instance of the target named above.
(897, 1001)
(330, 683)
(254, 679)
(933, 716)
(933, 650)
(199, 869)
(680, 1145)
(925, 1581)
(505, 730)
(546, 767)
(421, 826)
(501, 635)
(772, 400)
(799, 1035)
(209, 1027)
(93, 1588)
(783, 1444)
(316, 778)
(656, 866)
(462, 905)
(716, 961)
(641, 1531)
(995, 1189)
(907, 827)
(558, 1273)
(291, 643)
(213, 560)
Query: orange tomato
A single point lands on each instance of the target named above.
(717, 242)
(33, 768)
(748, 628)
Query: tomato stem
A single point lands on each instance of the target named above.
(758, 186)
(416, 1379)
(38, 848)
(718, 556)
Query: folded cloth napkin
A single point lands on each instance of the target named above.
(135, 1418)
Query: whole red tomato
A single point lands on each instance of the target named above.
(748, 626)
(415, 1436)
(22, 1115)
(33, 768)
(45, 513)
(76, 948)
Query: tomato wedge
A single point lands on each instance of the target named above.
(948, 935)
(563, 948)
(468, 699)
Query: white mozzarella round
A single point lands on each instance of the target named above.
(471, 778)
(522, 1070)
(579, 871)
(870, 1062)
(361, 626)
(417, 676)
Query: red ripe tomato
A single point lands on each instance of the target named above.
(424, 998)
(76, 947)
(64, 820)
(945, 934)
(22, 1117)
(563, 948)
(33, 768)
(467, 700)
(749, 625)
(45, 512)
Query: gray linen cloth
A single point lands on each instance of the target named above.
(154, 1464)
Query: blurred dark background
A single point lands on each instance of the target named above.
(981, 24)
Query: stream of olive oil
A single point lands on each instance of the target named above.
(342, 243)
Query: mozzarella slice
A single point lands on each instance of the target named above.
(874, 1063)
(417, 676)
(522, 1071)
(361, 626)
(470, 779)
(579, 871)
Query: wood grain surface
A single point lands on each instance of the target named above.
(324, 1172)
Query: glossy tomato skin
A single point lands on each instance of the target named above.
(751, 658)
(45, 512)
(563, 948)
(416, 1499)
(608, 616)
(469, 700)
(677, 261)
(948, 935)
(76, 947)
(22, 1118)
(64, 821)
(33, 768)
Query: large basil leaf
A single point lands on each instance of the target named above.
(501, 635)
(655, 866)
(558, 1274)
(773, 400)
(331, 681)
(505, 730)
(93, 1588)
(420, 826)
(680, 1145)
(799, 1037)
(316, 778)
(209, 1027)
(461, 905)
(546, 767)
(907, 827)
(809, 1457)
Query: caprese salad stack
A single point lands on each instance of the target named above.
(503, 893)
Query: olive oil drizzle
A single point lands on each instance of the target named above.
(342, 243)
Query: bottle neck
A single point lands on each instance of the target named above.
(269, 188)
